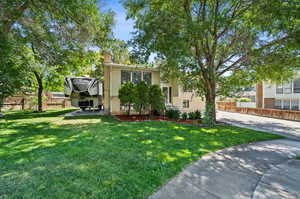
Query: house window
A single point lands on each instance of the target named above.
(136, 76)
(147, 77)
(295, 104)
(186, 104)
(279, 89)
(297, 85)
(125, 76)
(278, 103)
(286, 104)
(287, 88)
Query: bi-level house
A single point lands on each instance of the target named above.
(116, 74)
(279, 96)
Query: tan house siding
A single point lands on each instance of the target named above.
(178, 96)
(112, 84)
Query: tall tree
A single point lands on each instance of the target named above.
(59, 34)
(209, 41)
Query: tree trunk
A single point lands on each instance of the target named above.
(140, 111)
(210, 105)
(129, 107)
(40, 91)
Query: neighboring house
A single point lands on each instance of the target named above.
(116, 74)
(279, 96)
(249, 93)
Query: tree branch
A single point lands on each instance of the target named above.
(247, 55)
(12, 16)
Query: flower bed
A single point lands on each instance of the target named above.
(140, 118)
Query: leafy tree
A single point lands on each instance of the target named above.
(156, 99)
(209, 41)
(127, 95)
(14, 73)
(59, 34)
(141, 100)
(120, 52)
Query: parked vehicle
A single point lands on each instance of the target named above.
(84, 92)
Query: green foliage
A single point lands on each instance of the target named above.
(198, 114)
(156, 99)
(244, 99)
(15, 63)
(141, 97)
(120, 53)
(216, 45)
(51, 149)
(194, 115)
(127, 95)
(184, 116)
(173, 114)
(59, 35)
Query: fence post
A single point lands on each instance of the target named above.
(23, 104)
(64, 103)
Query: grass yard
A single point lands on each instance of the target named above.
(46, 156)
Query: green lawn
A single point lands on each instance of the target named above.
(46, 156)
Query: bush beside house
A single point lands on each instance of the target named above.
(142, 97)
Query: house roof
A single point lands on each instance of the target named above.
(140, 67)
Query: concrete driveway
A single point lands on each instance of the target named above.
(263, 170)
(287, 128)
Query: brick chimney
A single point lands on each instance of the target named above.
(107, 57)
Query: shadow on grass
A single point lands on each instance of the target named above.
(29, 114)
(99, 157)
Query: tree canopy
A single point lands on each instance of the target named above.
(59, 35)
(213, 43)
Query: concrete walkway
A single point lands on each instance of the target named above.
(259, 170)
(84, 113)
(287, 128)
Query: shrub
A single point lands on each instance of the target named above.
(244, 99)
(156, 99)
(141, 97)
(192, 115)
(127, 95)
(173, 114)
(198, 114)
(184, 116)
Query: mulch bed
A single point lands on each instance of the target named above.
(141, 118)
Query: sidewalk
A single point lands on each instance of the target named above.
(259, 170)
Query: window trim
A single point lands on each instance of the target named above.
(186, 101)
(142, 75)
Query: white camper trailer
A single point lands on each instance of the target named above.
(84, 92)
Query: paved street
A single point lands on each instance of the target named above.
(287, 128)
(260, 170)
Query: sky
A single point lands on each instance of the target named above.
(123, 27)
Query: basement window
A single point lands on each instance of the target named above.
(186, 104)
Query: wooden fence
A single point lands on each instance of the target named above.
(274, 113)
(29, 102)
